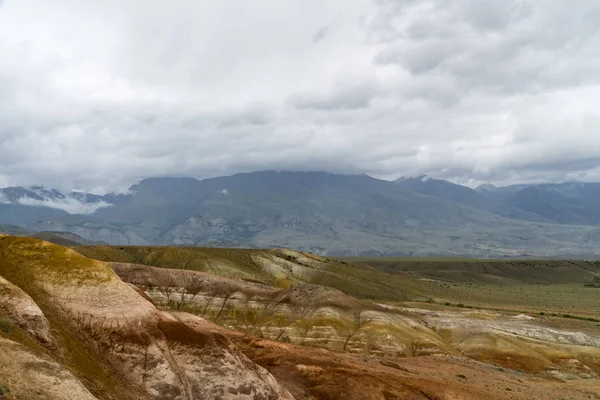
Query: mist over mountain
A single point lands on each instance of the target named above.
(324, 213)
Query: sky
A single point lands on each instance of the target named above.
(96, 95)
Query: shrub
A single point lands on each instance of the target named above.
(6, 325)
(283, 283)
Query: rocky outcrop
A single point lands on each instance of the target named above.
(22, 310)
(164, 358)
(29, 375)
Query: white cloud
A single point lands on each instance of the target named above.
(70, 205)
(96, 95)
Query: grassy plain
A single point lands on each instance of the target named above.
(529, 285)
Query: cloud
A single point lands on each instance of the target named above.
(321, 34)
(350, 96)
(97, 95)
(70, 205)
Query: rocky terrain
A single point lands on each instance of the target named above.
(327, 318)
(253, 328)
(83, 333)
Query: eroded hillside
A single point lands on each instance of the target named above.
(291, 298)
(274, 324)
(84, 330)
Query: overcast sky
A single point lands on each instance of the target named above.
(97, 94)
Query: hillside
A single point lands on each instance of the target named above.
(13, 229)
(78, 331)
(61, 238)
(523, 324)
(532, 284)
(464, 195)
(274, 267)
(103, 340)
(566, 203)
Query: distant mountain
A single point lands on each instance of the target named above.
(465, 195)
(575, 203)
(13, 230)
(22, 206)
(315, 211)
(61, 238)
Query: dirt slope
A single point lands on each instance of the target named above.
(310, 373)
(81, 332)
(31, 375)
(325, 317)
(133, 349)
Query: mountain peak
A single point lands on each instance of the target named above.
(486, 186)
(418, 178)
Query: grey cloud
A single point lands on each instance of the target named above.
(320, 35)
(420, 57)
(509, 46)
(350, 97)
(96, 95)
(494, 15)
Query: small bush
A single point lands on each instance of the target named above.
(6, 325)
(3, 391)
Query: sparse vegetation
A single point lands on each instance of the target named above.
(594, 284)
(6, 325)
(305, 319)
(165, 283)
(191, 287)
(351, 328)
(225, 293)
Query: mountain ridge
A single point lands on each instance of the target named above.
(321, 212)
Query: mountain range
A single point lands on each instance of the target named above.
(323, 213)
